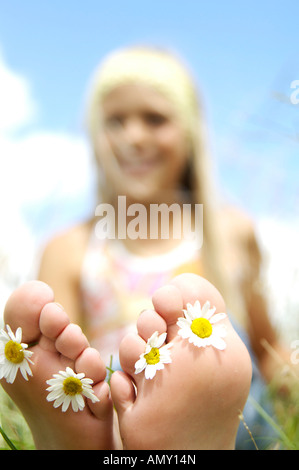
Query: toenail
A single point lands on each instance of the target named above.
(59, 305)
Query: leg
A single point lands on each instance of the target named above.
(194, 403)
(59, 344)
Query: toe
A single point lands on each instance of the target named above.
(193, 287)
(148, 322)
(122, 392)
(168, 303)
(129, 352)
(91, 363)
(53, 320)
(71, 342)
(103, 408)
(24, 306)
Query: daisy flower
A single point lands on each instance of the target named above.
(200, 327)
(67, 388)
(13, 355)
(154, 356)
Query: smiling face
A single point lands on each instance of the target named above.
(146, 142)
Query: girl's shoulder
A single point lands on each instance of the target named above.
(237, 222)
(68, 247)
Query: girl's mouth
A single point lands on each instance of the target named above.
(139, 166)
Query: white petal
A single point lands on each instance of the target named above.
(160, 340)
(90, 394)
(56, 379)
(66, 402)
(205, 308)
(197, 305)
(74, 404)
(140, 365)
(185, 332)
(80, 376)
(218, 343)
(184, 323)
(192, 312)
(55, 394)
(159, 366)
(11, 376)
(209, 314)
(10, 333)
(197, 341)
(152, 340)
(217, 317)
(18, 335)
(24, 371)
(77, 402)
(150, 371)
(219, 330)
(87, 381)
(165, 357)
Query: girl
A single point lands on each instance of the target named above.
(146, 127)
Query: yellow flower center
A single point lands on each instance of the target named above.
(72, 386)
(14, 352)
(201, 327)
(153, 357)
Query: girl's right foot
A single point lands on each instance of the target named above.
(60, 344)
(195, 401)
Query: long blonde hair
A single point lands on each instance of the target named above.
(166, 72)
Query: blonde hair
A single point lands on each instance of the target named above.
(167, 74)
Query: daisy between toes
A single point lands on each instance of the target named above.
(66, 388)
(13, 355)
(199, 326)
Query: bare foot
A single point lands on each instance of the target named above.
(60, 344)
(194, 402)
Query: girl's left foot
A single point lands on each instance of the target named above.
(193, 402)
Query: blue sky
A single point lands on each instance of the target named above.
(244, 55)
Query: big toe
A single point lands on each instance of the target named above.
(24, 306)
(193, 287)
(170, 299)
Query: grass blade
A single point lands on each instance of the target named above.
(7, 440)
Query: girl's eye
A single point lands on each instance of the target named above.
(155, 119)
(114, 121)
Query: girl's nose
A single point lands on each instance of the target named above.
(135, 132)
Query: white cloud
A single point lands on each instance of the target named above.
(40, 164)
(41, 172)
(279, 240)
(17, 106)
(43, 165)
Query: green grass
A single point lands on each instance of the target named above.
(15, 434)
(14, 431)
(286, 407)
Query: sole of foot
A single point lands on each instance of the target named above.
(195, 401)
